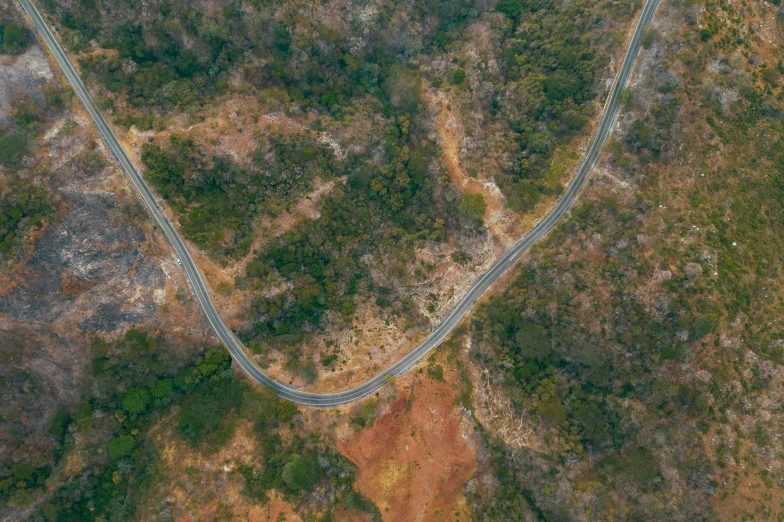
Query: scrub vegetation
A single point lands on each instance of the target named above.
(14, 37)
(641, 342)
(631, 367)
(139, 386)
(358, 92)
(24, 207)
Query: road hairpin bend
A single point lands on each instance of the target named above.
(234, 345)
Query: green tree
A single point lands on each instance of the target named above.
(561, 85)
(511, 8)
(436, 372)
(473, 207)
(14, 38)
(162, 388)
(533, 341)
(552, 411)
(56, 97)
(286, 411)
(13, 147)
(21, 207)
(59, 425)
(641, 465)
(203, 414)
(302, 472)
(649, 38)
(120, 447)
(28, 115)
(136, 400)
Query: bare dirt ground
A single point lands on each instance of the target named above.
(415, 459)
(112, 269)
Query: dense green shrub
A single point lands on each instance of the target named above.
(217, 199)
(22, 207)
(381, 203)
(136, 400)
(473, 207)
(552, 56)
(13, 38)
(13, 147)
(202, 414)
(201, 400)
(302, 472)
(120, 447)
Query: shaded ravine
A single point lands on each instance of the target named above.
(233, 344)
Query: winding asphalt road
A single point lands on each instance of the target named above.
(435, 338)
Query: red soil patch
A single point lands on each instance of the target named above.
(415, 460)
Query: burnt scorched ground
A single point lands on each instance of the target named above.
(89, 256)
(92, 272)
(95, 267)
